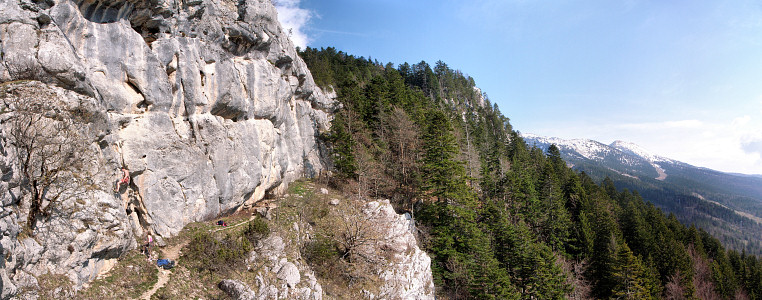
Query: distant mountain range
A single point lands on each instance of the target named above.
(727, 205)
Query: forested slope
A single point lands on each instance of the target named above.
(728, 206)
(502, 220)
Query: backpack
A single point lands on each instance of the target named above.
(166, 264)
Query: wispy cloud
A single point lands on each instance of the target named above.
(294, 19)
(753, 146)
(339, 32)
(662, 125)
(751, 140)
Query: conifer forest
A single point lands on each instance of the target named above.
(501, 219)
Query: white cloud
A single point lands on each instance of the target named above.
(741, 121)
(753, 146)
(733, 145)
(684, 124)
(293, 19)
(751, 141)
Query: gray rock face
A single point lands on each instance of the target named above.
(407, 272)
(281, 273)
(237, 290)
(290, 274)
(205, 102)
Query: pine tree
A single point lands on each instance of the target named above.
(555, 223)
(444, 177)
(628, 273)
(605, 245)
(340, 138)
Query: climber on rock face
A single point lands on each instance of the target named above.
(125, 179)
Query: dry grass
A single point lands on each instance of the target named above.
(212, 253)
(131, 276)
(338, 239)
(315, 240)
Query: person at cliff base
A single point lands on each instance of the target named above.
(147, 246)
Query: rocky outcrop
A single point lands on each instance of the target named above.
(407, 272)
(206, 103)
(400, 269)
(237, 290)
(280, 273)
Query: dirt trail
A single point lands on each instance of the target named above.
(234, 226)
(172, 253)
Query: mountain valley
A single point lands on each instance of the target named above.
(727, 205)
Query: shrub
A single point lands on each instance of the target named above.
(323, 255)
(321, 250)
(207, 253)
(256, 230)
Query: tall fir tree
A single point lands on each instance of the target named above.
(629, 275)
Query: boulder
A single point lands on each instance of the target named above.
(290, 274)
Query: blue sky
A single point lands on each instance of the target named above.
(680, 78)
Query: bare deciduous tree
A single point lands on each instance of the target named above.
(575, 277)
(369, 171)
(359, 233)
(702, 278)
(741, 295)
(402, 159)
(49, 146)
(405, 144)
(674, 289)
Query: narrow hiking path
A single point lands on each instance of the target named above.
(172, 253)
(234, 226)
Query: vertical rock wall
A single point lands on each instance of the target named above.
(206, 102)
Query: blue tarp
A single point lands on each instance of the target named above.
(165, 263)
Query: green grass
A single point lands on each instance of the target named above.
(300, 187)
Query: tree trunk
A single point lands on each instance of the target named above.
(34, 207)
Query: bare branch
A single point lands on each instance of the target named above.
(49, 145)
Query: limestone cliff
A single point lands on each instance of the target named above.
(205, 102)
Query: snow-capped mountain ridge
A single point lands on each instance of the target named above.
(624, 158)
(730, 203)
(639, 151)
(589, 149)
(594, 150)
